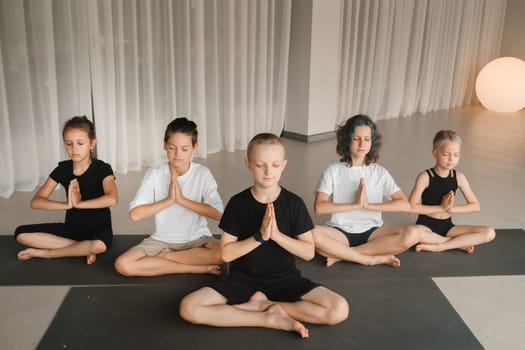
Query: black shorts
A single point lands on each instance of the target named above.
(77, 233)
(440, 226)
(356, 239)
(238, 288)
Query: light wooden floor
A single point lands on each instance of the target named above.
(492, 158)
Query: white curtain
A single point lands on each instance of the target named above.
(221, 63)
(44, 80)
(132, 66)
(406, 56)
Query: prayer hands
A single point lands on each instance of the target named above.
(174, 192)
(447, 202)
(362, 198)
(269, 224)
(73, 197)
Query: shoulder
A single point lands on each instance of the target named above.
(101, 164)
(65, 164)
(461, 178)
(290, 197)
(200, 169)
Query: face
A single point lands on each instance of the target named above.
(179, 151)
(361, 142)
(267, 164)
(447, 155)
(78, 145)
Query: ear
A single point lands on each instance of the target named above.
(93, 143)
(195, 148)
(284, 163)
(247, 164)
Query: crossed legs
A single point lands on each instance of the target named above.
(48, 246)
(205, 259)
(320, 305)
(380, 248)
(460, 237)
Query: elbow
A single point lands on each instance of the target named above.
(225, 257)
(133, 216)
(113, 202)
(310, 256)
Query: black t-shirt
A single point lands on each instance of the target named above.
(243, 216)
(90, 183)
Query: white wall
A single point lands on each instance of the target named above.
(513, 41)
(313, 71)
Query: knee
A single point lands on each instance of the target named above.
(489, 234)
(411, 236)
(122, 266)
(97, 247)
(338, 312)
(22, 238)
(187, 309)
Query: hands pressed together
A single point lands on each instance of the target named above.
(73, 194)
(447, 202)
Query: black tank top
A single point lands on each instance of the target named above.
(438, 187)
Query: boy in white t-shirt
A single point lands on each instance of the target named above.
(355, 191)
(181, 195)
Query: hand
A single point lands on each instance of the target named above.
(74, 196)
(447, 202)
(361, 199)
(267, 222)
(174, 192)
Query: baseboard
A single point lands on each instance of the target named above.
(309, 138)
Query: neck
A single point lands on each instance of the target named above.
(358, 161)
(81, 167)
(266, 195)
(443, 172)
(181, 170)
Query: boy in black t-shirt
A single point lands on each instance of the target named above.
(264, 227)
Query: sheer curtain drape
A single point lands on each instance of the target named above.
(406, 56)
(222, 63)
(44, 80)
(133, 65)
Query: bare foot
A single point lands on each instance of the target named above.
(258, 302)
(90, 259)
(213, 269)
(468, 250)
(427, 247)
(29, 253)
(279, 319)
(330, 261)
(391, 260)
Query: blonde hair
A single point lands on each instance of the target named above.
(264, 138)
(445, 135)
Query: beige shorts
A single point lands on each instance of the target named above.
(152, 247)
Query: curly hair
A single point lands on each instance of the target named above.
(345, 135)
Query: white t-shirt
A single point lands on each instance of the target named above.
(341, 183)
(176, 224)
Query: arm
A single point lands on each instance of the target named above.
(108, 199)
(472, 204)
(398, 203)
(302, 247)
(41, 198)
(323, 205)
(232, 248)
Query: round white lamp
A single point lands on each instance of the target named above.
(500, 85)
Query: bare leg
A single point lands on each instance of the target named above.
(462, 237)
(136, 263)
(207, 306)
(333, 245)
(89, 249)
(208, 255)
(320, 306)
